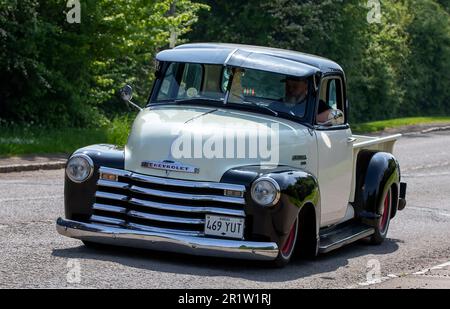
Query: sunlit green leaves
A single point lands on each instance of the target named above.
(397, 67)
(62, 74)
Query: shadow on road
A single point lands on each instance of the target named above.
(210, 267)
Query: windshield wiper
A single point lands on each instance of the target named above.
(275, 113)
(196, 99)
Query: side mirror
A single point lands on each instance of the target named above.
(126, 93)
(336, 117)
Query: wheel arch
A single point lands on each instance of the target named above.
(307, 244)
(376, 171)
(299, 189)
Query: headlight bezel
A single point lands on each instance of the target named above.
(275, 185)
(88, 160)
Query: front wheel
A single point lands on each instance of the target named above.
(382, 226)
(287, 250)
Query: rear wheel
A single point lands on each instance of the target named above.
(382, 227)
(287, 250)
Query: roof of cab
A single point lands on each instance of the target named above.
(253, 57)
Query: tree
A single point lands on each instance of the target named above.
(393, 66)
(57, 73)
(233, 21)
(428, 82)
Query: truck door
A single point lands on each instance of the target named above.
(335, 153)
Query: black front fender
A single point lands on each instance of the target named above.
(298, 188)
(79, 197)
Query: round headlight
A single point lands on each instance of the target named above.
(79, 168)
(266, 192)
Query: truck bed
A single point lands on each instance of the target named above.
(384, 144)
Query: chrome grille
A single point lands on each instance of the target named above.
(165, 205)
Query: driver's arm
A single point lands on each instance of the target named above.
(323, 112)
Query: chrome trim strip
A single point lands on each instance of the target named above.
(163, 230)
(108, 170)
(107, 220)
(112, 184)
(168, 242)
(189, 184)
(185, 196)
(111, 196)
(173, 182)
(147, 216)
(188, 209)
(109, 208)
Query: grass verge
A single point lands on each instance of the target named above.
(30, 140)
(376, 126)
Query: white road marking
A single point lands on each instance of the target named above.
(393, 276)
(379, 280)
(422, 272)
(435, 211)
(426, 166)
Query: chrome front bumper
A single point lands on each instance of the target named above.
(168, 242)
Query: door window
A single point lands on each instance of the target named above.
(331, 97)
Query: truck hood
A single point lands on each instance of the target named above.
(202, 143)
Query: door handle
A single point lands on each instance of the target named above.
(351, 140)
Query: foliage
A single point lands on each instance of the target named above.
(429, 64)
(32, 139)
(381, 125)
(57, 74)
(397, 67)
(60, 74)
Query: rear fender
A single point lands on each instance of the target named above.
(376, 171)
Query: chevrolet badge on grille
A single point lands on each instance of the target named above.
(171, 166)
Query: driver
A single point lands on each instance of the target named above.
(296, 97)
(237, 91)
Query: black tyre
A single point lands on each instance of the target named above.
(382, 227)
(287, 250)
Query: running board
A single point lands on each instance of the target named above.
(341, 236)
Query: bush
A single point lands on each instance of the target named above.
(66, 75)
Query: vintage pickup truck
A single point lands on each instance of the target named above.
(241, 152)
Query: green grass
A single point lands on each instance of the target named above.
(30, 140)
(375, 126)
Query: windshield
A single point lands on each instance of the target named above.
(277, 93)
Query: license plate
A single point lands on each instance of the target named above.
(230, 227)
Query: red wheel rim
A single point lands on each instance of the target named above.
(385, 217)
(286, 250)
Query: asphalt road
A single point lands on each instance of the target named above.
(33, 255)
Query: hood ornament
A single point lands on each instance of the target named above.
(170, 166)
